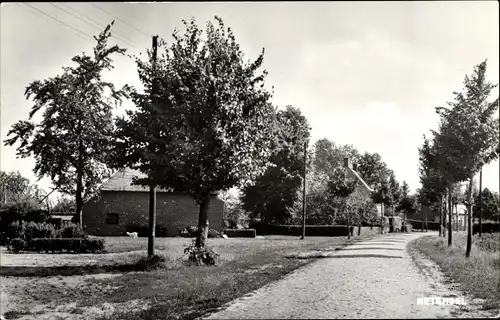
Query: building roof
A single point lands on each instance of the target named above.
(122, 181)
(354, 173)
(363, 182)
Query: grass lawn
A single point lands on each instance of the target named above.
(177, 291)
(479, 274)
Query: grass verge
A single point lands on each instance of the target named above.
(182, 292)
(478, 275)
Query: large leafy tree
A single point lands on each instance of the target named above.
(328, 156)
(207, 125)
(13, 185)
(374, 171)
(275, 192)
(489, 205)
(468, 137)
(394, 194)
(407, 202)
(71, 143)
(435, 182)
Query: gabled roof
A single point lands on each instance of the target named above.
(363, 182)
(122, 181)
(356, 174)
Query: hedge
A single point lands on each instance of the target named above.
(311, 230)
(76, 245)
(240, 233)
(487, 227)
(431, 225)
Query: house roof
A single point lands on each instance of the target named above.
(363, 182)
(122, 181)
(356, 174)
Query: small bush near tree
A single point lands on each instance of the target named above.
(201, 255)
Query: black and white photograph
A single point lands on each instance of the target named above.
(249, 160)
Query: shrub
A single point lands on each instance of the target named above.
(71, 230)
(39, 230)
(16, 230)
(82, 245)
(240, 233)
(17, 245)
(487, 227)
(199, 256)
(212, 233)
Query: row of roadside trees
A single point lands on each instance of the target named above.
(467, 138)
(331, 196)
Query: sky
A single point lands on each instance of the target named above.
(368, 74)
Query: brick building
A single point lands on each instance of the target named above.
(121, 204)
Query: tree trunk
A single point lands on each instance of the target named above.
(201, 239)
(469, 218)
(359, 230)
(449, 218)
(152, 220)
(481, 203)
(79, 198)
(79, 180)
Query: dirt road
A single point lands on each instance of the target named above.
(372, 279)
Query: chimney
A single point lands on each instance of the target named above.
(355, 166)
(346, 162)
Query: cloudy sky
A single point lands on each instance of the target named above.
(363, 73)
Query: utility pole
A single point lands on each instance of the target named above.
(450, 218)
(152, 187)
(481, 202)
(304, 195)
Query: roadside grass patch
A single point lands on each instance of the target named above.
(478, 275)
(177, 291)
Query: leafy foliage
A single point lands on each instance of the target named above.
(207, 126)
(201, 255)
(234, 215)
(70, 145)
(407, 203)
(275, 191)
(490, 205)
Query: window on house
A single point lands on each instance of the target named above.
(112, 218)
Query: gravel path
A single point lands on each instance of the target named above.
(372, 279)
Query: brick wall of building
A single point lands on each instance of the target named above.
(173, 211)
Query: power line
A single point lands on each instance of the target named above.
(48, 15)
(44, 18)
(99, 25)
(147, 35)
